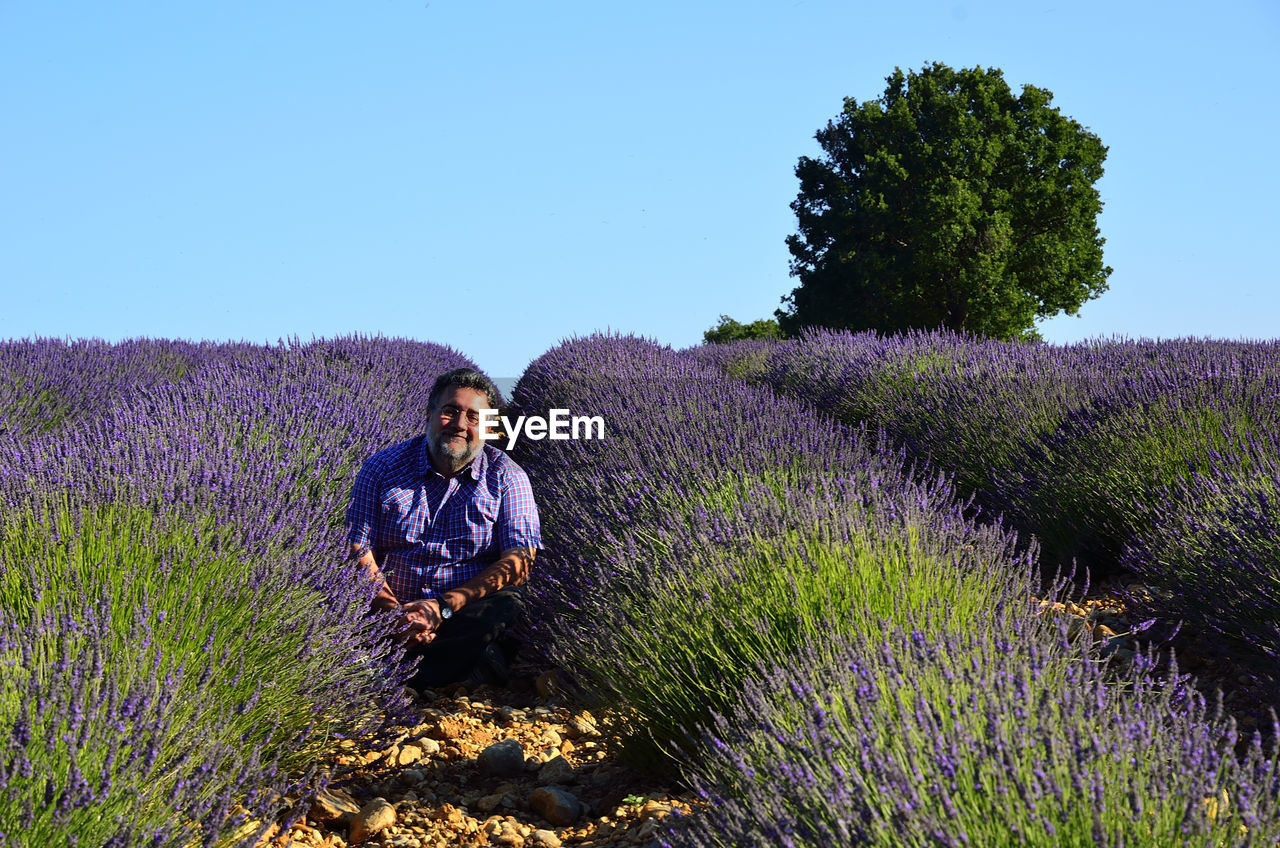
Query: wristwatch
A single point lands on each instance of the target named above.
(446, 611)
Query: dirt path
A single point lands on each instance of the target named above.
(456, 779)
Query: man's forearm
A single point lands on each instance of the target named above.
(385, 599)
(510, 569)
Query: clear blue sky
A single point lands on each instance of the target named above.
(501, 175)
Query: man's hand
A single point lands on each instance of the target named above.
(416, 627)
(422, 619)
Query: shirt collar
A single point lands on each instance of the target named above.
(475, 470)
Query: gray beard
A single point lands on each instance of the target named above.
(455, 458)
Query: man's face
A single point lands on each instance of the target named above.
(453, 433)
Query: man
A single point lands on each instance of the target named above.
(447, 525)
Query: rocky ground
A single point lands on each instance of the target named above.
(513, 766)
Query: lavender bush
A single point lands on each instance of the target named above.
(749, 360)
(1086, 489)
(210, 505)
(95, 753)
(721, 525)
(1215, 534)
(966, 405)
(1086, 447)
(973, 737)
(46, 383)
(263, 642)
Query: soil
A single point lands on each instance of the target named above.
(442, 797)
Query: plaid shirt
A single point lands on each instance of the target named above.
(431, 533)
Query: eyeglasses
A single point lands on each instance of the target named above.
(451, 413)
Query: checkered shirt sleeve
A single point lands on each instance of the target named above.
(362, 508)
(517, 523)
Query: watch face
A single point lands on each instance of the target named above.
(446, 611)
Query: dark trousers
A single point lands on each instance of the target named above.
(453, 654)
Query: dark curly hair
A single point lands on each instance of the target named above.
(464, 378)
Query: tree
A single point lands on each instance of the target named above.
(729, 330)
(947, 202)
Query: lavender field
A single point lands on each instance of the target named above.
(1161, 458)
(181, 638)
(809, 571)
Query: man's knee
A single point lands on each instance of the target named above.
(463, 639)
(486, 618)
(503, 606)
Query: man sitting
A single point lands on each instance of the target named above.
(447, 524)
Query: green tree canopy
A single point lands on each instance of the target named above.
(729, 330)
(947, 202)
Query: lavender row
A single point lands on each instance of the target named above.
(1157, 413)
(47, 382)
(969, 738)
(1215, 534)
(965, 404)
(90, 757)
(720, 526)
(212, 501)
(1103, 451)
(904, 727)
